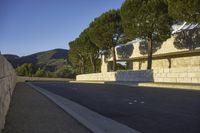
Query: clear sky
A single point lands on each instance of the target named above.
(29, 26)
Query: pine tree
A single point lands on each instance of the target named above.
(148, 20)
(185, 10)
(90, 48)
(106, 32)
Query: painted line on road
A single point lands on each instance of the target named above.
(90, 119)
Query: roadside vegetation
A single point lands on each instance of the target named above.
(149, 20)
(29, 70)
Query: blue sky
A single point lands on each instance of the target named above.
(29, 26)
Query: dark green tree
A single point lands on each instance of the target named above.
(25, 70)
(78, 55)
(106, 32)
(148, 20)
(40, 73)
(90, 48)
(65, 72)
(185, 10)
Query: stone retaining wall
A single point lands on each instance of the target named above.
(108, 76)
(141, 75)
(176, 75)
(178, 62)
(7, 84)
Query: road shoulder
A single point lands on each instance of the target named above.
(32, 112)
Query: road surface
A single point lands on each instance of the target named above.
(148, 110)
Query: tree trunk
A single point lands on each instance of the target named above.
(92, 60)
(114, 58)
(82, 65)
(149, 61)
(80, 68)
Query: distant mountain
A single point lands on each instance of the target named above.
(50, 60)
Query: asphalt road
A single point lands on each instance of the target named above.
(148, 110)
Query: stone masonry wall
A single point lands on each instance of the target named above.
(141, 75)
(108, 76)
(192, 61)
(7, 84)
(177, 75)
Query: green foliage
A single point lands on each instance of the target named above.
(78, 55)
(25, 70)
(65, 72)
(146, 19)
(106, 32)
(92, 51)
(49, 64)
(40, 73)
(83, 53)
(185, 10)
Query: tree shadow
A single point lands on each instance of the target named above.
(125, 51)
(187, 39)
(156, 45)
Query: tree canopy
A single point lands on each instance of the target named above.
(77, 54)
(83, 53)
(92, 51)
(148, 20)
(106, 32)
(185, 10)
(25, 70)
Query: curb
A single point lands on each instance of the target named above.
(92, 120)
(172, 86)
(183, 86)
(90, 82)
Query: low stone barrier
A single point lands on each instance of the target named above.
(140, 75)
(174, 75)
(130, 75)
(7, 85)
(109, 76)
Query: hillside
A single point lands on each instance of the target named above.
(50, 60)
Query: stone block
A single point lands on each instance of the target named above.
(182, 75)
(193, 69)
(172, 75)
(159, 79)
(195, 80)
(163, 75)
(170, 79)
(193, 75)
(166, 70)
(180, 79)
(187, 80)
